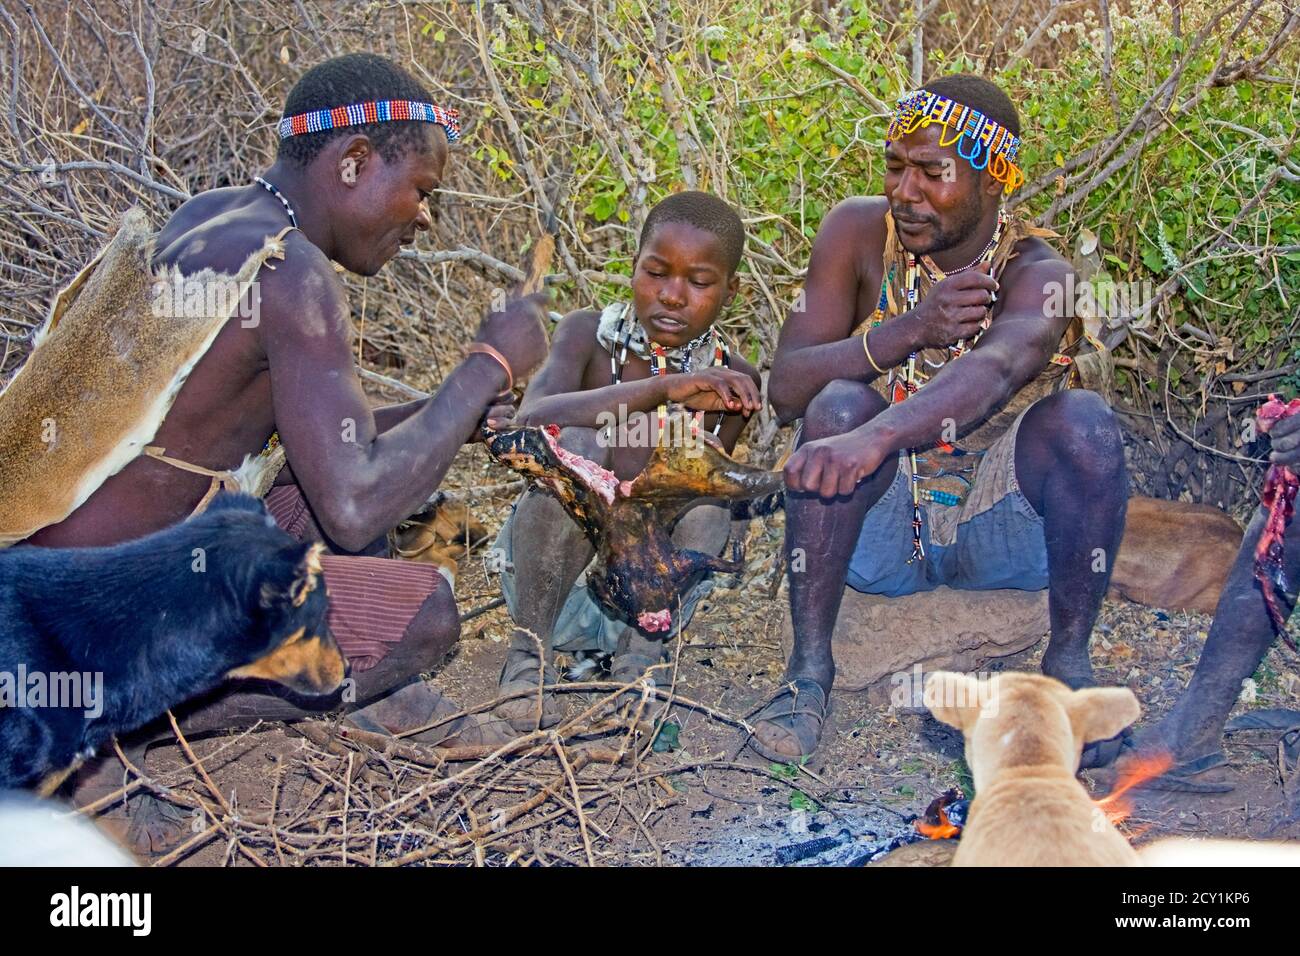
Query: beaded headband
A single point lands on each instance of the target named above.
(991, 145)
(375, 111)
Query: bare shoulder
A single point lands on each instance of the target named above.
(580, 323)
(217, 229)
(301, 294)
(1035, 265)
(1034, 252)
(574, 338)
(856, 218)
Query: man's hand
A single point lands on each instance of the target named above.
(834, 466)
(517, 333)
(714, 390)
(1285, 434)
(955, 308)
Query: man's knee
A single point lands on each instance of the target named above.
(1082, 431)
(841, 406)
(704, 528)
(435, 628)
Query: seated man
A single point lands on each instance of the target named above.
(618, 365)
(351, 193)
(1242, 633)
(914, 470)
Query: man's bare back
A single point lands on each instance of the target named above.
(224, 410)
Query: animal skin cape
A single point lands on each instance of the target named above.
(117, 345)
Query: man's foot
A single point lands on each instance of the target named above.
(789, 728)
(157, 825)
(634, 655)
(1103, 753)
(1072, 670)
(521, 713)
(419, 704)
(145, 824)
(1159, 744)
(632, 667)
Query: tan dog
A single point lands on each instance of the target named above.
(441, 533)
(1024, 735)
(1174, 555)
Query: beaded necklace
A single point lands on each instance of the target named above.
(293, 219)
(659, 364)
(900, 387)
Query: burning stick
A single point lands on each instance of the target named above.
(944, 817)
(1280, 487)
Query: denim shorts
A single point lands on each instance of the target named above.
(993, 539)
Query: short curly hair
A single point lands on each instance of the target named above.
(355, 78)
(703, 211)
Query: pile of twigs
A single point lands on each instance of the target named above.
(584, 792)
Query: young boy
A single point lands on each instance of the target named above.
(627, 361)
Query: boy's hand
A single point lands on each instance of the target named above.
(517, 333)
(955, 308)
(714, 390)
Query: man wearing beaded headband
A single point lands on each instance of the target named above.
(362, 150)
(914, 470)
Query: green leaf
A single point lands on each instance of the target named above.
(666, 740)
(801, 801)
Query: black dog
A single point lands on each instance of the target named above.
(98, 641)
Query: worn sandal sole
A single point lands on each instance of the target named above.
(823, 714)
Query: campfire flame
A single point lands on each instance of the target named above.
(936, 824)
(1134, 773)
(945, 829)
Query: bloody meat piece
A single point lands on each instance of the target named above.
(638, 573)
(1280, 487)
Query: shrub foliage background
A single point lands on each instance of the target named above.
(1160, 140)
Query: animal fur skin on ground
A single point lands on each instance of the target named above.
(1174, 555)
(1024, 736)
(162, 619)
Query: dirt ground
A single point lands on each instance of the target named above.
(710, 800)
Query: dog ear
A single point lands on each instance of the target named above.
(303, 576)
(1099, 713)
(953, 698)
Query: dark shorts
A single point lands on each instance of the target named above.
(372, 600)
(993, 539)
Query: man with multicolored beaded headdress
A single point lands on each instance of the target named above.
(362, 151)
(914, 469)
